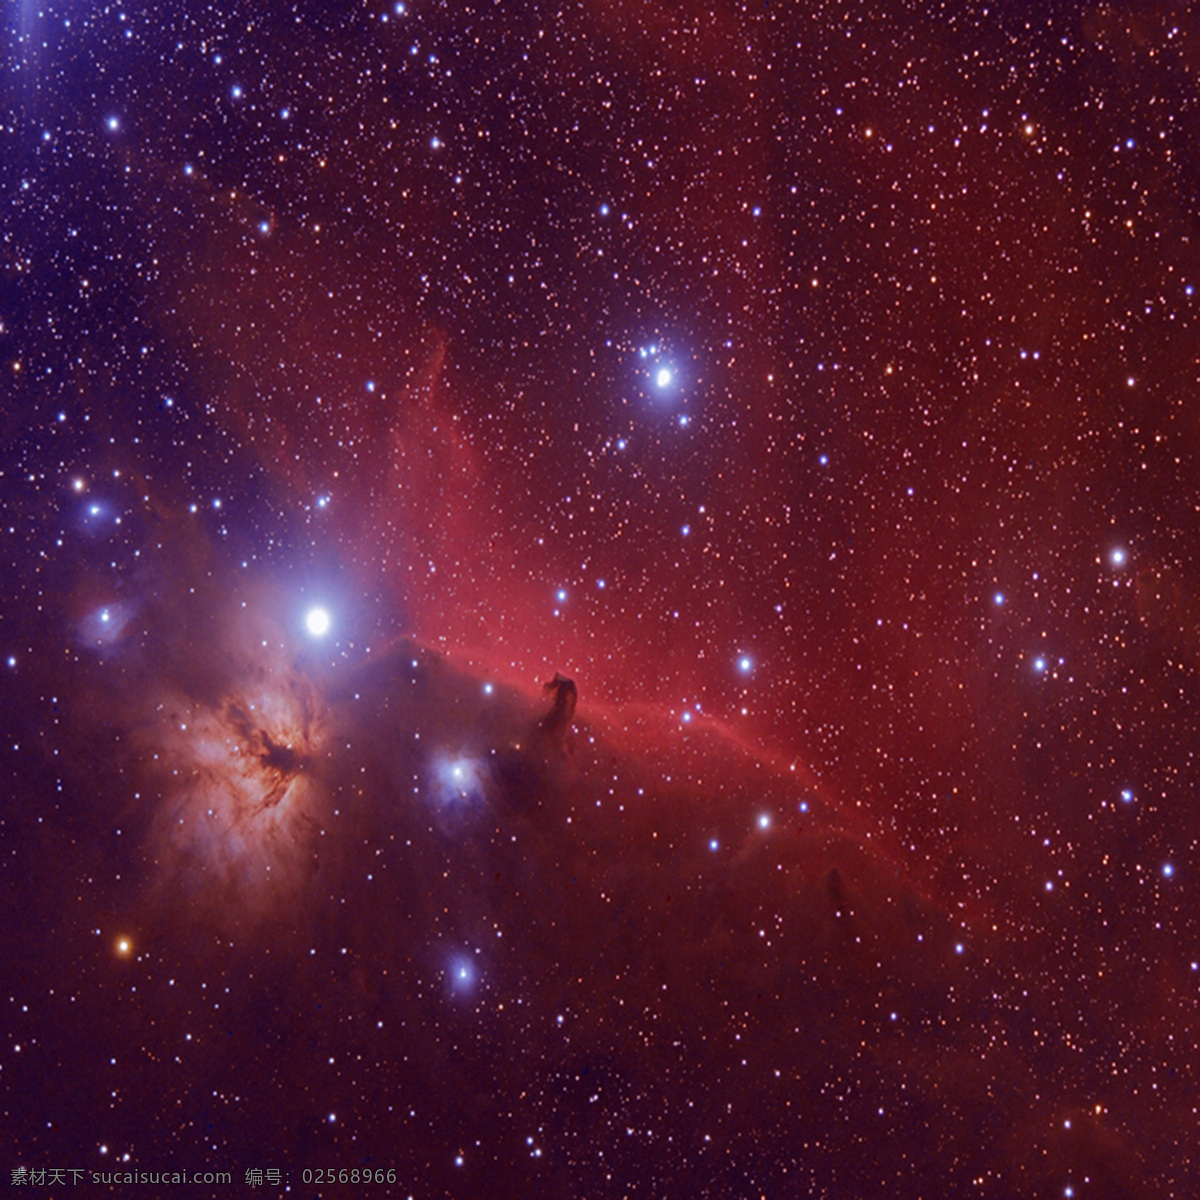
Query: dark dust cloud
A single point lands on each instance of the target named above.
(600, 601)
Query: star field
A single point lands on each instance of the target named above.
(600, 600)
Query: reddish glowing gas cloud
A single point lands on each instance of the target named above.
(239, 801)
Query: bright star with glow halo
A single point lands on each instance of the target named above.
(317, 622)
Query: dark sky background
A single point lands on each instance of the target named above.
(815, 385)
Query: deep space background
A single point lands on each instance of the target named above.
(815, 385)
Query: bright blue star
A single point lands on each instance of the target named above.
(458, 781)
(460, 974)
(105, 626)
(318, 621)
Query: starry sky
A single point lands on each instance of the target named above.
(601, 600)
